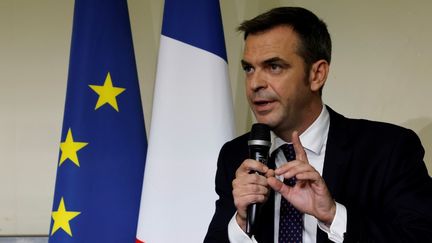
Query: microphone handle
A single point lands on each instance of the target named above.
(260, 154)
(252, 211)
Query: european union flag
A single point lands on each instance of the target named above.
(103, 145)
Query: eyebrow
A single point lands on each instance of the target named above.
(273, 60)
(244, 63)
(266, 62)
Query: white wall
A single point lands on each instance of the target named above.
(380, 70)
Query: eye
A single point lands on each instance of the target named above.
(275, 68)
(248, 69)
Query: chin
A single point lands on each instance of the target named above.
(266, 120)
(271, 118)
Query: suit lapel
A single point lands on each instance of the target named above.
(337, 158)
(338, 152)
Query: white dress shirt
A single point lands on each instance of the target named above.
(314, 141)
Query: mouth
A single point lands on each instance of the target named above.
(261, 102)
(263, 105)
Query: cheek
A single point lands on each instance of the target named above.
(248, 89)
(249, 94)
(289, 87)
(280, 90)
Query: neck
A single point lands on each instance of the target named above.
(308, 117)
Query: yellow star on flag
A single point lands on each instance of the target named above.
(70, 148)
(107, 93)
(62, 217)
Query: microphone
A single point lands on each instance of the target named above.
(259, 145)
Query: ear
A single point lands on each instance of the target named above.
(318, 75)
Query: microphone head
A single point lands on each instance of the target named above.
(259, 132)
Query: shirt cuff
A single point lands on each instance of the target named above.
(236, 234)
(338, 227)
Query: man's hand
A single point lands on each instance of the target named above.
(310, 194)
(249, 187)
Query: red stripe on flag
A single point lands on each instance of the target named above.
(138, 241)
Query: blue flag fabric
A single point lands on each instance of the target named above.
(103, 145)
(197, 23)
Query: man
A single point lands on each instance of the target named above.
(352, 180)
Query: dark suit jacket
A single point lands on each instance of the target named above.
(374, 169)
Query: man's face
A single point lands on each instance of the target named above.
(277, 85)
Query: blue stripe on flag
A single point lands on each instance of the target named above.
(184, 19)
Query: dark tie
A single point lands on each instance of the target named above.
(291, 220)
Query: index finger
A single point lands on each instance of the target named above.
(298, 147)
(252, 165)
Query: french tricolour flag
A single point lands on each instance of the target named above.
(191, 119)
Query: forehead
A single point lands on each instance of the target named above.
(278, 41)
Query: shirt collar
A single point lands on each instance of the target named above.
(313, 138)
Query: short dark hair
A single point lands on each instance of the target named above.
(315, 41)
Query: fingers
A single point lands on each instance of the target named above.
(251, 165)
(249, 187)
(270, 173)
(310, 193)
(252, 184)
(275, 184)
(300, 165)
(298, 147)
(309, 175)
(298, 169)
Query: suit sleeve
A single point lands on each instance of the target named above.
(225, 209)
(403, 211)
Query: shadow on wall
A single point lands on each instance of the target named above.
(423, 127)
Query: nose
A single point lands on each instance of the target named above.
(256, 81)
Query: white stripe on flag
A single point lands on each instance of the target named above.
(192, 118)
